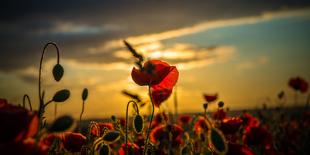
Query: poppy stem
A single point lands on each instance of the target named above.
(126, 123)
(47, 103)
(81, 115)
(149, 128)
(29, 102)
(207, 119)
(41, 94)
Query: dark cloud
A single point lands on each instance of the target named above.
(26, 25)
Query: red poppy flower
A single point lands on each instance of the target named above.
(231, 125)
(160, 76)
(220, 114)
(47, 141)
(160, 134)
(73, 142)
(258, 136)
(97, 128)
(249, 121)
(299, 84)
(184, 119)
(3, 102)
(237, 149)
(133, 149)
(160, 94)
(159, 118)
(122, 122)
(25, 147)
(210, 97)
(152, 73)
(17, 123)
(201, 126)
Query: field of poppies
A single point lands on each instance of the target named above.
(266, 131)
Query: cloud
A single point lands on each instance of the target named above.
(252, 64)
(148, 38)
(70, 28)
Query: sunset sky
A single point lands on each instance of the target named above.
(245, 51)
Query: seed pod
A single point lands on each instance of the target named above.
(138, 123)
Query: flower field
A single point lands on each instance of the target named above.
(265, 131)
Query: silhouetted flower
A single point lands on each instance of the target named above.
(47, 141)
(133, 149)
(298, 84)
(160, 118)
(210, 97)
(24, 147)
(98, 128)
(231, 125)
(249, 121)
(161, 134)
(220, 114)
(200, 126)
(184, 119)
(17, 123)
(73, 142)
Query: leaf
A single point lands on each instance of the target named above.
(138, 123)
(111, 137)
(104, 149)
(61, 95)
(85, 94)
(218, 141)
(61, 124)
(58, 72)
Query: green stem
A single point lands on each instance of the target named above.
(47, 103)
(29, 102)
(81, 115)
(126, 123)
(150, 124)
(41, 94)
(207, 119)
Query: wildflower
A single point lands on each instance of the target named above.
(201, 126)
(160, 94)
(73, 142)
(298, 84)
(153, 73)
(231, 125)
(133, 149)
(249, 121)
(161, 134)
(98, 128)
(17, 123)
(24, 147)
(184, 119)
(160, 76)
(160, 118)
(210, 97)
(220, 114)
